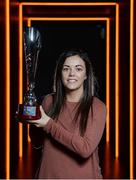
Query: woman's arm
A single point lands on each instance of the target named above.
(36, 133)
(84, 146)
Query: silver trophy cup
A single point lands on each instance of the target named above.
(29, 110)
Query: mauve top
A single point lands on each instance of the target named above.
(66, 154)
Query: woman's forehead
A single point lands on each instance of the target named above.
(74, 60)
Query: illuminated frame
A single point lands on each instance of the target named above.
(7, 75)
(29, 21)
(107, 78)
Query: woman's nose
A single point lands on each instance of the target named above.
(72, 72)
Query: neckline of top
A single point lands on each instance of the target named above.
(72, 102)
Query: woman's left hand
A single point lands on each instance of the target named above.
(42, 121)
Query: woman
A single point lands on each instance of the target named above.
(73, 121)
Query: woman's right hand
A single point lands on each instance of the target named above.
(42, 121)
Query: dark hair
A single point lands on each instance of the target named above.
(89, 89)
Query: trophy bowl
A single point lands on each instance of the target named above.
(30, 110)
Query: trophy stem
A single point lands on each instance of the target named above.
(30, 98)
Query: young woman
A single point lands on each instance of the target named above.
(73, 121)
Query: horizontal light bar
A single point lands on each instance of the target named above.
(65, 19)
(68, 4)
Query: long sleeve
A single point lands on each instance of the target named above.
(37, 134)
(84, 146)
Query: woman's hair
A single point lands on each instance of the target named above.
(88, 89)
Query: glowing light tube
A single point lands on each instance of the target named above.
(20, 83)
(7, 87)
(131, 89)
(117, 84)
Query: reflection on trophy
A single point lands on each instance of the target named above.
(29, 110)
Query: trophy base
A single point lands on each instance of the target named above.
(26, 112)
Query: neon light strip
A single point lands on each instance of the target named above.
(7, 88)
(74, 4)
(117, 85)
(66, 19)
(67, 4)
(131, 89)
(20, 83)
(107, 56)
(108, 81)
(28, 126)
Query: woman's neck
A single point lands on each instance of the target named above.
(73, 96)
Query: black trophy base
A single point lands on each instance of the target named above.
(26, 112)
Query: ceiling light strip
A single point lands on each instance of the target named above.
(68, 4)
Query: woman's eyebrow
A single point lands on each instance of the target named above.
(66, 65)
(78, 65)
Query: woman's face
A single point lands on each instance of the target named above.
(74, 73)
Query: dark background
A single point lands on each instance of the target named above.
(60, 36)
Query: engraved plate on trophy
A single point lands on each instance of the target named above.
(29, 110)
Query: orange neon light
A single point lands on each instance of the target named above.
(68, 4)
(108, 81)
(67, 19)
(131, 89)
(7, 87)
(84, 4)
(117, 85)
(29, 23)
(107, 54)
(20, 88)
(28, 126)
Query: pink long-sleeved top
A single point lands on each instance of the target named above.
(66, 154)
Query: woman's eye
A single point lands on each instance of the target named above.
(65, 69)
(79, 69)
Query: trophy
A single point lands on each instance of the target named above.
(30, 110)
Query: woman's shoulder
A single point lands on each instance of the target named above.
(48, 99)
(98, 104)
(48, 96)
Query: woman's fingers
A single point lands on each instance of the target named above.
(33, 121)
(42, 111)
(40, 122)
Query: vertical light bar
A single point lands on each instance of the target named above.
(117, 85)
(20, 83)
(28, 137)
(28, 22)
(108, 80)
(7, 87)
(131, 89)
